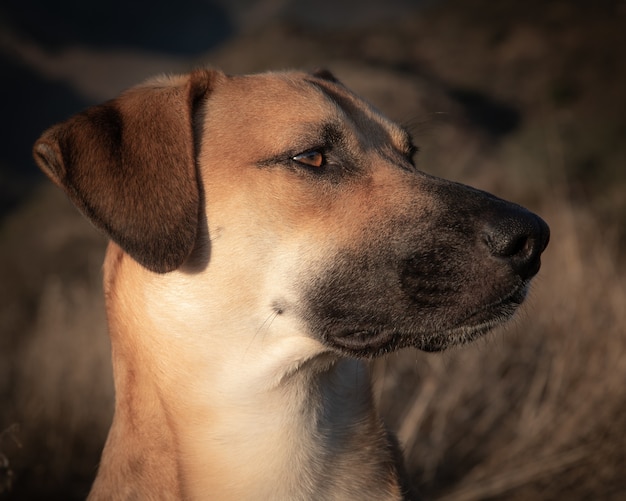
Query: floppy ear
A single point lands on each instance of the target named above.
(325, 74)
(130, 166)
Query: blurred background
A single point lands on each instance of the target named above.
(523, 99)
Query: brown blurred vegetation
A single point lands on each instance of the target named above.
(524, 99)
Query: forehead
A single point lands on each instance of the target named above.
(282, 104)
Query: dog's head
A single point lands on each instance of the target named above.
(285, 199)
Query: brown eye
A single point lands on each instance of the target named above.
(311, 158)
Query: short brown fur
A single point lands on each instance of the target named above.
(246, 289)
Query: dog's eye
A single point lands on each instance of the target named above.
(311, 158)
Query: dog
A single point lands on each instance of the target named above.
(269, 234)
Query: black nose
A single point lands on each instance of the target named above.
(519, 237)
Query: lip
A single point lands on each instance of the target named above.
(372, 341)
(498, 311)
(366, 342)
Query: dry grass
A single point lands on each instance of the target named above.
(57, 400)
(537, 410)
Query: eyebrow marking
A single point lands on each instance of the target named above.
(332, 133)
(397, 136)
(342, 100)
(324, 135)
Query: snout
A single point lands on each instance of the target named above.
(451, 265)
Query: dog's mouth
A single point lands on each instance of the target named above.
(367, 341)
(429, 281)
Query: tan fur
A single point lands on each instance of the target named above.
(220, 243)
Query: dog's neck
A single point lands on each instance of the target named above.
(237, 428)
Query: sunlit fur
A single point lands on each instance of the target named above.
(245, 289)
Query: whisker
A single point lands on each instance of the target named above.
(263, 328)
(422, 124)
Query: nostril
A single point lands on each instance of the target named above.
(518, 238)
(508, 246)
